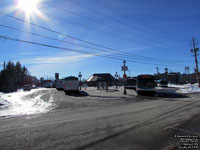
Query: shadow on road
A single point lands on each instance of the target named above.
(170, 95)
(78, 94)
(158, 94)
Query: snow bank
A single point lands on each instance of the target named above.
(4, 103)
(179, 85)
(186, 88)
(24, 103)
(190, 89)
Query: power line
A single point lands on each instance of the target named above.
(78, 51)
(98, 22)
(135, 19)
(62, 9)
(51, 30)
(60, 19)
(108, 33)
(90, 28)
(67, 35)
(129, 55)
(161, 48)
(118, 21)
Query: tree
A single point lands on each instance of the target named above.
(14, 77)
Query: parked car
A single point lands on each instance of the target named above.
(48, 85)
(27, 88)
(163, 83)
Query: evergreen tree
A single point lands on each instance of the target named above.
(14, 77)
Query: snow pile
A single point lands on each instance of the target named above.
(179, 85)
(4, 103)
(24, 103)
(186, 88)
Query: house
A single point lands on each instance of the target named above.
(101, 80)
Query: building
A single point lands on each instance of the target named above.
(46, 83)
(177, 78)
(101, 80)
(188, 78)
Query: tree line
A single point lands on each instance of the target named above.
(14, 76)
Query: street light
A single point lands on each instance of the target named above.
(80, 75)
(124, 68)
(116, 77)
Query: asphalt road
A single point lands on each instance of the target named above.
(97, 123)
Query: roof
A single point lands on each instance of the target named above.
(71, 78)
(101, 77)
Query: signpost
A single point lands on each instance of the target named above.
(116, 77)
(80, 75)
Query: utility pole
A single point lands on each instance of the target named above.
(157, 69)
(116, 78)
(4, 65)
(196, 61)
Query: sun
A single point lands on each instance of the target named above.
(28, 6)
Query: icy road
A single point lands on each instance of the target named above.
(100, 120)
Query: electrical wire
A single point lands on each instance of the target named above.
(125, 38)
(136, 19)
(129, 55)
(123, 23)
(79, 51)
(110, 18)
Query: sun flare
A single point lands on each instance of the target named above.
(28, 6)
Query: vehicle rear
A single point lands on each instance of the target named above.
(27, 88)
(71, 85)
(163, 83)
(145, 85)
(60, 85)
(131, 83)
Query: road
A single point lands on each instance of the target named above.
(95, 123)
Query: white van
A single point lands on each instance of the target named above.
(60, 85)
(71, 85)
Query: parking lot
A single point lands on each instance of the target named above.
(102, 120)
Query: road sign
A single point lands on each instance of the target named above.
(124, 68)
(116, 75)
(125, 76)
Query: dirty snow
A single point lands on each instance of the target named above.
(24, 103)
(186, 88)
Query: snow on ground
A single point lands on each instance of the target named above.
(180, 85)
(111, 93)
(24, 103)
(186, 88)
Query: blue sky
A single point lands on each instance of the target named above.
(159, 29)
